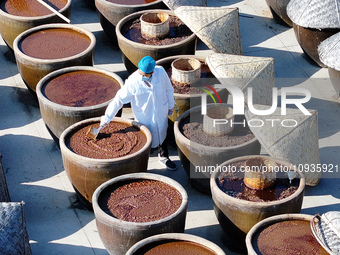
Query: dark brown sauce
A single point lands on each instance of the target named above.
(30, 8)
(207, 78)
(288, 237)
(192, 128)
(232, 184)
(174, 247)
(144, 201)
(114, 141)
(54, 43)
(81, 88)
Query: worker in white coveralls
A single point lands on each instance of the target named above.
(151, 95)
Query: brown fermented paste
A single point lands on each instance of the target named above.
(289, 237)
(185, 88)
(232, 184)
(115, 140)
(178, 32)
(30, 8)
(175, 247)
(54, 43)
(131, 2)
(81, 88)
(192, 128)
(144, 201)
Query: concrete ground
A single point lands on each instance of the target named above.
(57, 223)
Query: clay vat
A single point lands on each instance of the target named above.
(203, 246)
(12, 25)
(279, 11)
(194, 155)
(299, 241)
(86, 174)
(133, 52)
(238, 216)
(33, 69)
(309, 40)
(118, 235)
(184, 102)
(111, 12)
(56, 114)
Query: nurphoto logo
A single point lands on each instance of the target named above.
(239, 105)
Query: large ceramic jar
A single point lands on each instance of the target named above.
(237, 215)
(309, 40)
(279, 11)
(119, 235)
(87, 173)
(110, 12)
(51, 47)
(133, 52)
(313, 22)
(295, 230)
(72, 94)
(11, 25)
(194, 155)
(184, 243)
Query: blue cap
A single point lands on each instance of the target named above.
(147, 64)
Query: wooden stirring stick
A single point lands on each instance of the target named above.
(54, 10)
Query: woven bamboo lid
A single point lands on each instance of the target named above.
(326, 229)
(329, 51)
(217, 27)
(174, 4)
(245, 72)
(315, 13)
(297, 144)
(13, 233)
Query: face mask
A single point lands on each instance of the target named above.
(145, 78)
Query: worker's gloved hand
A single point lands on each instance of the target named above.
(103, 122)
(170, 112)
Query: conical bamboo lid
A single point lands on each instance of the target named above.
(315, 13)
(326, 229)
(217, 27)
(174, 4)
(329, 51)
(244, 72)
(297, 142)
(13, 233)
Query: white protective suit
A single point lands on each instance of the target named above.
(150, 105)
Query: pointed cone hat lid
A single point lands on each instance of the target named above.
(293, 136)
(209, 22)
(174, 4)
(315, 13)
(13, 233)
(326, 229)
(329, 51)
(245, 72)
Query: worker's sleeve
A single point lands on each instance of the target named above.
(122, 97)
(169, 90)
